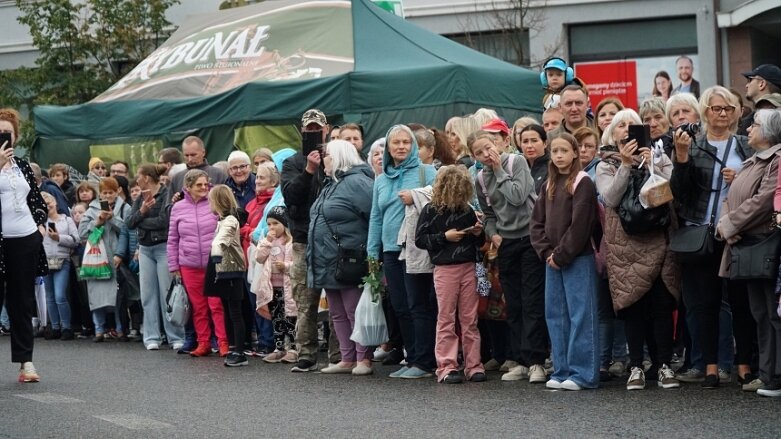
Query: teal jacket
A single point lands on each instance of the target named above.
(387, 213)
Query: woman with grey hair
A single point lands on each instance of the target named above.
(682, 108)
(340, 220)
(652, 113)
(241, 179)
(375, 156)
(704, 168)
(744, 222)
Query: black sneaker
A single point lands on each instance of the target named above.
(236, 359)
(67, 334)
(453, 377)
(771, 389)
(263, 351)
(394, 357)
(304, 366)
(711, 382)
(4, 331)
(478, 377)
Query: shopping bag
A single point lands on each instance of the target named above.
(40, 300)
(655, 191)
(492, 306)
(95, 264)
(370, 326)
(177, 305)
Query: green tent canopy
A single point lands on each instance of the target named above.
(242, 78)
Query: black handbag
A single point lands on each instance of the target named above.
(635, 219)
(693, 243)
(351, 263)
(755, 257)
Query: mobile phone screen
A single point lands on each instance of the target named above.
(53, 227)
(311, 141)
(641, 133)
(5, 140)
(104, 206)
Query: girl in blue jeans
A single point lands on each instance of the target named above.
(561, 228)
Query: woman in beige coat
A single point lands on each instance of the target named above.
(643, 276)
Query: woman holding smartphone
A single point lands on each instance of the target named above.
(22, 226)
(61, 238)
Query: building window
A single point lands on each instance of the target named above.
(511, 46)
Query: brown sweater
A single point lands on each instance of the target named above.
(563, 226)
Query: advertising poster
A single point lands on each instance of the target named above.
(631, 80)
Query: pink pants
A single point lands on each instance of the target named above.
(456, 287)
(341, 306)
(193, 279)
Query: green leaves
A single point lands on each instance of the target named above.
(374, 279)
(85, 46)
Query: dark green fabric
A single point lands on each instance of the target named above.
(403, 73)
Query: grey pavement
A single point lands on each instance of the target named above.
(119, 390)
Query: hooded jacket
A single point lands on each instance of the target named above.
(634, 262)
(190, 233)
(387, 214)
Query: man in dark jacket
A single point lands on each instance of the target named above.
(195, 158)
(302, 179)
(46, 185)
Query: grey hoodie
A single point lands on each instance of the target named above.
(511, 198)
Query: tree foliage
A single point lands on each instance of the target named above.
(85, 46)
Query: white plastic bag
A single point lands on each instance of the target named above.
(655, 191)
(40, 300)
(177, 304)
(370, 327)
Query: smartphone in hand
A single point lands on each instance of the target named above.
(5, 140)
(104, 206)
(311, 141)
(642, 134)
(52, 226)
(467, 230)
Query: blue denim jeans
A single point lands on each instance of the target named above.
(414, 302)
(155, 280)
(262, 326)
(5, 322)
(572, 317)
(99, 319)
(56, 283)
(612, 337)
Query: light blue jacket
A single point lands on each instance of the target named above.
(277, 199)
(387, 209)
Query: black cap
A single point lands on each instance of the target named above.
(768, 72)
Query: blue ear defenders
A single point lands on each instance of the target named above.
(558, 64)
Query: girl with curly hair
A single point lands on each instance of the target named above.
(449, 229)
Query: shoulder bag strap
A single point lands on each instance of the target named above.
(325, 219)
(723, 163)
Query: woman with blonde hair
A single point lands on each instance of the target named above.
(461, 128)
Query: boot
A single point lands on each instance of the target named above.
(203, 350)
(224, 348)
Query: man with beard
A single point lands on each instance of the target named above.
(685, 67)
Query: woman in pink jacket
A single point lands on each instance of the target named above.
(190, 235)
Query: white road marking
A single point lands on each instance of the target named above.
(134, 422)
(49, 398)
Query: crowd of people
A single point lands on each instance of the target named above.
(567, 251)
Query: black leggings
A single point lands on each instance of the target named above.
(650, 320)
(234, 323)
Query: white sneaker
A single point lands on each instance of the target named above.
(153, 347)
(570, 385)
(178, 345)
(380, 354)
(553, 384)
(537, 374)
(617, 369)
(636, 379)
(517, 373)
(507, 365)
(666, 378)
(724, 376)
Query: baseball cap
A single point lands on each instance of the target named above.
(496, 126)
(313, 116)
(773, 99)
(768, 72)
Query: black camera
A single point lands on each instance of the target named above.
(690, 128)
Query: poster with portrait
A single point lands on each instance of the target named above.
(633, 79)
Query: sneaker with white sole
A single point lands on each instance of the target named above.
(570, 385)
(636, 379)
(28, 374)
(537, 374)
(517, 373)
(274, 357)
(153, 347)
(178, 345)
(617, 369)
(692, 375)
(507, 365)
(771, 389)
(380, 354)
(553, 384)
(753, 386)
(667, 378)
(724, 376)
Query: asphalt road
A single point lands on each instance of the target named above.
(119, 390)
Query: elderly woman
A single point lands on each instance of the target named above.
(652, 113)
(339, 218)
(375, 156)
(703, 171)
(588, 144)
(22, 258)
(744, 222)
(641, 270)
(411, 295)
(150, 217)
(682, 108)
(241, 180)
(190, 233)
(260, 156)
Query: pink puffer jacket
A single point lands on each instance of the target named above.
(190, 233)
